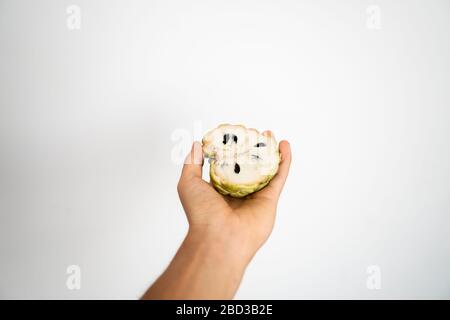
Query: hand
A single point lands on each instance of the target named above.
(244, 223)
(224, 234)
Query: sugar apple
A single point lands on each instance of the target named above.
(242, 161)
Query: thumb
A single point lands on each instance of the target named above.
(193, 163)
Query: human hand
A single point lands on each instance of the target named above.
(243, 224)
(224, 233)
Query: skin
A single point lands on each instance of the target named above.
(224, 233)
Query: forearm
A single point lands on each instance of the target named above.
(205, 267)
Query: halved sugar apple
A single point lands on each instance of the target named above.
(242, 161)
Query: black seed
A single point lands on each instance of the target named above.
(254, 156)
(260, 144)
(237, 169)
(234, 138)
(226, 137)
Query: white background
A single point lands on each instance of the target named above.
(87, 118)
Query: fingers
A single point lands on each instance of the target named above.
(273, 190)
(283, 171)
(267, 133)
(193, 163)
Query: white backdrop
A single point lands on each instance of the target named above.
(89, 119)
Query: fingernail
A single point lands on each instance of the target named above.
(197, 152)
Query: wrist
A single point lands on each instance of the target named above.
(205, 267)
(225, 246)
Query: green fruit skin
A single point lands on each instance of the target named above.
(237, 191)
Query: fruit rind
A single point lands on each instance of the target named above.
(225, 187)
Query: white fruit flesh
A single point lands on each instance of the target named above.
(242, 160)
